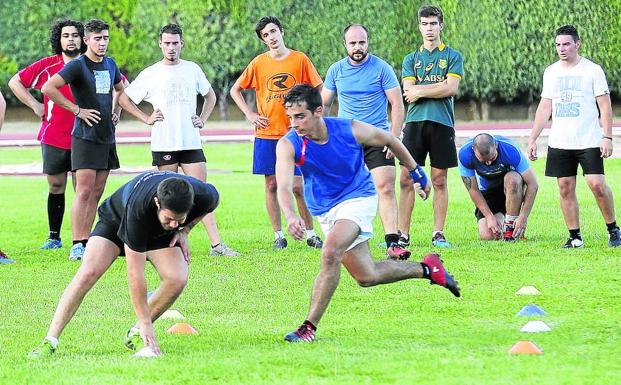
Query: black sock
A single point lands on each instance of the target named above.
(307, 322)
(391, 238)
(426, 273)
(55, 213)
(575, 234)
(82, 241)
(612, 226)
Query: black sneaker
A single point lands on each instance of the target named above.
(404, 242)
(614, 238)
(314, 242)
(280, 243)
(574, 243)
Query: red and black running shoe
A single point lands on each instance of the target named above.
(438, 274)
(396, 252)
(304, 333)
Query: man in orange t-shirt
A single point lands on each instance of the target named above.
(272, 74)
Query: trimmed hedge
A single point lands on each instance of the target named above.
(506, 44)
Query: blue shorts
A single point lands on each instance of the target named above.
(264, 158)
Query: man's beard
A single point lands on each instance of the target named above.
(364, 56)
(72, 52)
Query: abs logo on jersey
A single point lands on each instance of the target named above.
(281, 82)
(429, 67)
(442, 63)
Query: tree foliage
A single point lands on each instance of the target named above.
(506, 44)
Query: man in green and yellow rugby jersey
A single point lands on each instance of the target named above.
(431, 76)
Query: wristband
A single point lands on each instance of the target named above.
(607, 137)
(77, 113)
(418, 176)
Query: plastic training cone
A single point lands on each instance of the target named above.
(531, 310)
(172, 314)
(528, 290)
(525, 347)
(182, 328)
(535, 327)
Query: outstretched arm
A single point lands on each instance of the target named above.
(373, 136)
(138, 294)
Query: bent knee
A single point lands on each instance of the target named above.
(366, 281)
(176, 283)
(298, 191)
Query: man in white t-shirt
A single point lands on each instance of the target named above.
(576, 94)
(171, 86)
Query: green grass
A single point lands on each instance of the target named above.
(403, 333)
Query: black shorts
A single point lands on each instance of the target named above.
(163, 158)
(435, 139)
(374, 157)
(495, 199)
(109, 231)
(562, 163)
(93, 156)
(55, 160)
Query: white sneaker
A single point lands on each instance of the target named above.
(77, 252)
(573, 243)
(223, 250)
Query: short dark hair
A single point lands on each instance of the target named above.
(431, 11)
(304, 93)
(56, 31)
(355, 25)
(175, 194)
(568, 30)
(265, 20)
(173, 29)
(483, 144)
(95, 25)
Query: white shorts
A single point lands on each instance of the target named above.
(361, 211)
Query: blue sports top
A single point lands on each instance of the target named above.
(333, 171)
(510, 158)
(362, 89)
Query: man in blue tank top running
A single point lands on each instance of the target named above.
(339, 190)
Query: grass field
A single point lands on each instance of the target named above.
(403, 333)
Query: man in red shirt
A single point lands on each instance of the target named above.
(66, 38)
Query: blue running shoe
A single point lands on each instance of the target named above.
(4, 260)
(614, 238)
(280, 243)
(77, 252)
(439, 240)
(51, 244)
(303, 334)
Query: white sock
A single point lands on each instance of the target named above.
(53, 341)
(278, 234)
(310, 233)
(510, 218)
(433, 234)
